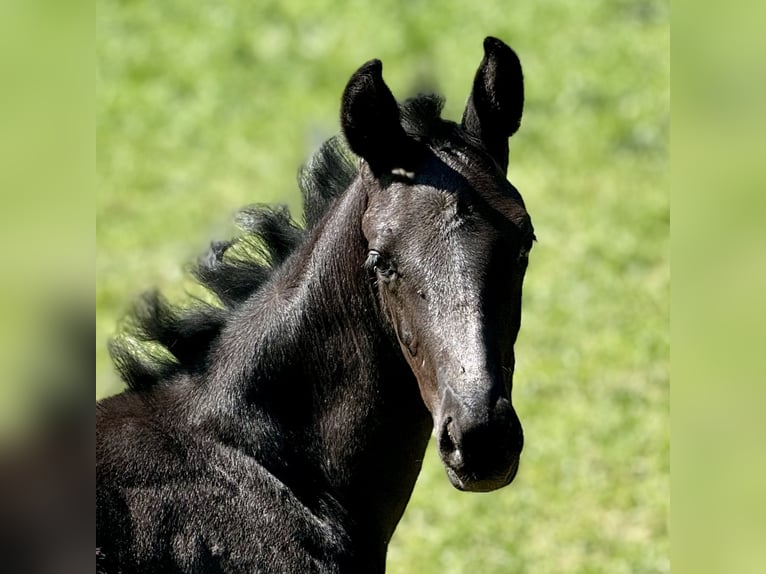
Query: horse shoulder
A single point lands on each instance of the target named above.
(169, 497)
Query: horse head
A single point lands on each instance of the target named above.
(448, 239)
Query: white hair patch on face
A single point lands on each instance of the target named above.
(401, 172)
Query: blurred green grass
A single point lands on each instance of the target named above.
(203, 108)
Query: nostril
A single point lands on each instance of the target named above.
(446, 442)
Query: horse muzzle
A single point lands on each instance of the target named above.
(480, 450)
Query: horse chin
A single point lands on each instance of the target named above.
(468, 483)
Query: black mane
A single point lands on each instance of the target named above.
(161, 340)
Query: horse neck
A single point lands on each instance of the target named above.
(311, 363)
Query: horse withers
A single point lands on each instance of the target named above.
(283, 429)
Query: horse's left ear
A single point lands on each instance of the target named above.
(493, 111)
(369, 118)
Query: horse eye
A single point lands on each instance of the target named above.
(524, 251)
(375, 262)
(373, 259)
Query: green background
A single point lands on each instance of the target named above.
(205, 107)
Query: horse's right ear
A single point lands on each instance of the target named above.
(369, 118)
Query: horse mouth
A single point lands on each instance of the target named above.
(471, 482)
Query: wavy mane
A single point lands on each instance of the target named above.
(161, 340)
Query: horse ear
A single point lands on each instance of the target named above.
(493, 111)
(370, 121)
